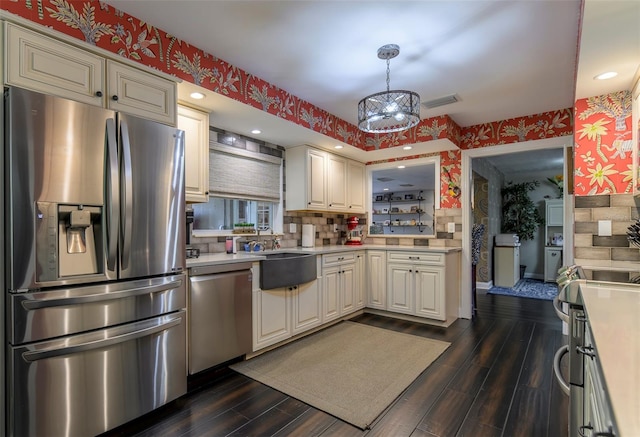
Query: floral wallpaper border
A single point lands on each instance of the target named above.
(601, 153)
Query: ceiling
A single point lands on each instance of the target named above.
(503, 59)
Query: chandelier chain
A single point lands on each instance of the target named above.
(388, 70)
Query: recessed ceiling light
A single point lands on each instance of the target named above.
(197, 96)
(256, 131)
(607, 75)
(407, 148)
(338, 146)
(401, 166)
(385, 189)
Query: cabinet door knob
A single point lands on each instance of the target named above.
(98, 93)
(114, 98)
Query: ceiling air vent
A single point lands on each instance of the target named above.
(441, 101)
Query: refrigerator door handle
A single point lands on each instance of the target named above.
(113, 195)
(126, 194)
(32, 356)
(99, 297)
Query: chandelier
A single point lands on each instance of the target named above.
(389, 111)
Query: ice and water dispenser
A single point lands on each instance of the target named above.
(73, 238)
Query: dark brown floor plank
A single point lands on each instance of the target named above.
(267, 424)
(310, 423)
(493, 402)
(497, 369)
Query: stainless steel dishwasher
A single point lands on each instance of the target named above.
(220, 320)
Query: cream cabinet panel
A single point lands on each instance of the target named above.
(356, 187)
(142, 94)
(317, 180)
(43, 64)
(195, 124)
(337, 182)
(330, 293)
(347, 277)
(430, 292)
(306, 179)
(376, 279)
(306, 304)
(400, 292)
(359, 283)
(271, 321)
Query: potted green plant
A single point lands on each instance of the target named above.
(519, 214)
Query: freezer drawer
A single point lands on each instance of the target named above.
(86, 384)
(46, 314)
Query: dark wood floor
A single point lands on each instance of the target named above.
(494, 380)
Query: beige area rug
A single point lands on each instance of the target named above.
(350, 370)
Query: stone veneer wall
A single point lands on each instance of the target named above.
(599, 255)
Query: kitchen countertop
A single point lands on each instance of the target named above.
(223, 258)
(613, 311)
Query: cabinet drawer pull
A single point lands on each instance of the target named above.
(114, 98)
(98, 93)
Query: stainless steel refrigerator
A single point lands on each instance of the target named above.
(94, 245)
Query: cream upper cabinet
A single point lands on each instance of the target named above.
(306, 179)
(45, 64)
(337, 182)
(195, 124)
(321, 181)
(356, 183)
(139, 93)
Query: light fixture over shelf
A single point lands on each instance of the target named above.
(389, 111)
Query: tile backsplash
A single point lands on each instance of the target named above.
(602, 254)
(325, 236)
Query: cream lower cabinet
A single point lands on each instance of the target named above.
(376, 279)
(342, 287)
(281, 313)
(195, 125)
(41, 63)
(416, 289)
(423, 284)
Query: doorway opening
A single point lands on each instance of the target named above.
(486, 164)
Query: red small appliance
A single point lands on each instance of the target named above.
(354, 236)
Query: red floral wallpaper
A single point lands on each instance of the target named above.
(603, 162)
(532, 127)
(101, 25)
